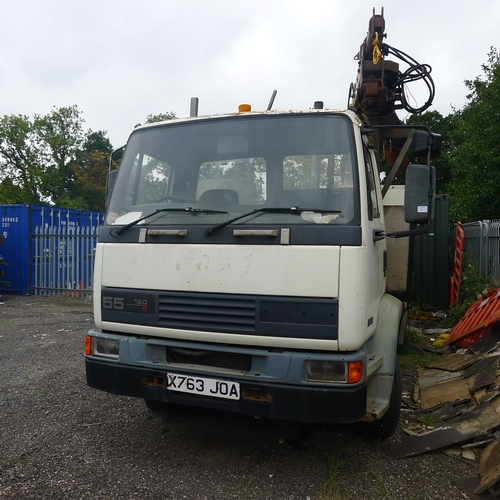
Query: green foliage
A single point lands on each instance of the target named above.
(414, 357)
(89, 171)
(50, 160)
(476, 156)
(469, 166)
(332, 488)
(96, 141)
(89, 181)
(413, 335)
(473, 288)
(444, 125)
(426, 419)
(60, 133)
(21, 161)
(161, 117)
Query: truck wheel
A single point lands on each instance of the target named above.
(156, 405)
(387, 425)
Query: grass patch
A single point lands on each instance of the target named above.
(331, 489)
(413, 335)
(413, 357)
(426, 419)
(382, 493)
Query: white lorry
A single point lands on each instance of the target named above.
(243, 262)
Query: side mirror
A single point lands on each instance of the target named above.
(421, 142)
(420, 187)
(110, 182)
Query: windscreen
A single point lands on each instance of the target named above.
(222, 167)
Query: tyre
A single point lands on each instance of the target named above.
(156, 405)
(387, 425)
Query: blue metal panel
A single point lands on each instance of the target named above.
(18, 224)
(15, 249)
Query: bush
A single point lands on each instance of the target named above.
(474, 287)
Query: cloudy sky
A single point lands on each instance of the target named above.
(120, 61)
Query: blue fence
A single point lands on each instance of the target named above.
(63, 260)
(47, 249)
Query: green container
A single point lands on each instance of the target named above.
(431, 259)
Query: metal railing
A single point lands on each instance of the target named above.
(63, 260)
(482, 243)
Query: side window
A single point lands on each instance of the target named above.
(371, 179)
(148, 181)
(154, 180)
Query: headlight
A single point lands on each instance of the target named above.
(334, 371)
(326, 371)
(106, 348)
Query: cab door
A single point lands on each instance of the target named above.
(375, 222)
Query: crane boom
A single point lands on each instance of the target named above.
(380, 87)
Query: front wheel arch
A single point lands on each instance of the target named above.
(386, 426)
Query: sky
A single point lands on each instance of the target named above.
(120, 61)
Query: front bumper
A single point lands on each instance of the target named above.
(284, 401)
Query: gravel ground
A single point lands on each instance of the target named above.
(60, 439)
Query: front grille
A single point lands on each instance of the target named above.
(226, 360)
(201, 312)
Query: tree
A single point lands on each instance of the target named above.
(51, 161)
(97, 141)
(89, 173)
(11, 193)
(445, 126)
(21, 162)
(475, 162)
(61, 132)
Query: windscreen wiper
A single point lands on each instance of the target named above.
(120, 230)
(284, 210)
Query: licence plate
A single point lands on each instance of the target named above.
(203, 386)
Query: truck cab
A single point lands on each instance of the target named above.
(242, 267)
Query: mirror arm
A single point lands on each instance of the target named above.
(409, 232)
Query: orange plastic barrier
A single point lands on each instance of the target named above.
(477, 320)
(458, 265)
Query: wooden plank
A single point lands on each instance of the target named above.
(485, 378)
(455, 362)
(489, 467)
(414, 445)
(428, 376)
(469, 484)
(451, 391)
(477, 367)
(446, 411)
(495, 404)
(487, 342)
(477, 422)
(484, 394)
